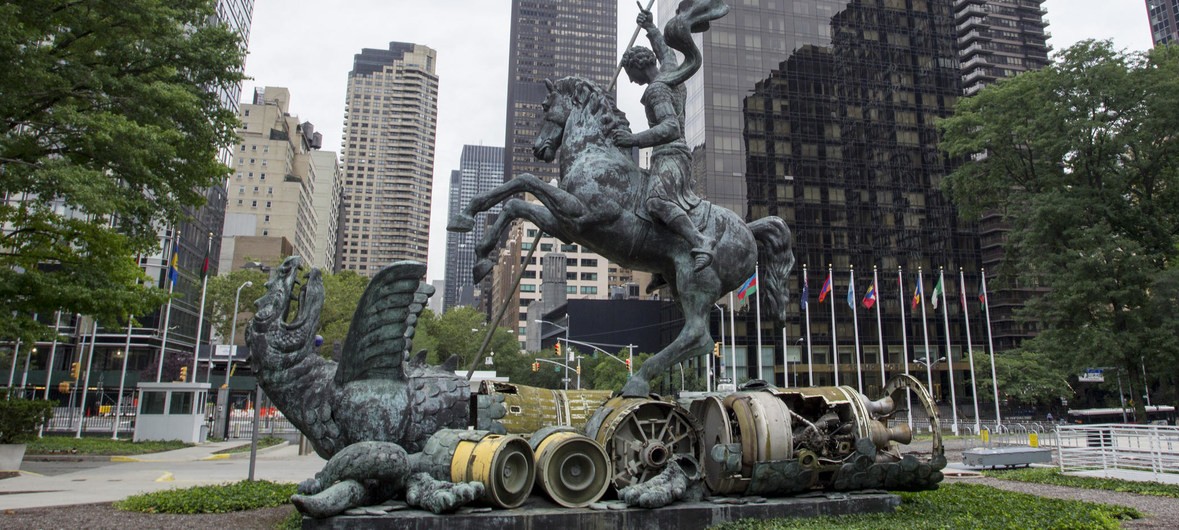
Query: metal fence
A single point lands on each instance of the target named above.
(1151, 449)
(241, 421)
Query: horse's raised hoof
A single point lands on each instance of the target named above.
(635, 387)
(481, 269)
(461, 223)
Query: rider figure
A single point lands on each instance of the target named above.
(669, 193)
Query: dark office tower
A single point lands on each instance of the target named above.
(551, 40)
(1164, 20)
(840, 140)
(480, 170)
(998, 39)
(390, 120)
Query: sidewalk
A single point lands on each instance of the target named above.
(191, 466)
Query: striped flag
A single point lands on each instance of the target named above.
(938, 290)
(750, 287)
(916, 296)
(982, 293)
(870, 296)
(826, 290)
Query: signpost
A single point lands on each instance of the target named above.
(1092, 375)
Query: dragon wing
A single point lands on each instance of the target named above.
(383, 326)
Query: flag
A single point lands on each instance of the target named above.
(826, 288)
(205, 267)
(173, 269)
(870, 296)
(916, 296)
(982, 293)
(851, 292)
(937, 291)
(806, 294)
(750, 287)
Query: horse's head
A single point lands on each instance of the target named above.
(568, 97)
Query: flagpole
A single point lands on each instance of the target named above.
(929, 359)
(834, 339)
(757, 302)
(52, 354)
(785, 361)
(851, 300)
(810, 358)
(879, 330)
(168, 312)
(905, 341)
(196, 352)
(991, 344)
(969, 348)
(732, 338)
(949, 354)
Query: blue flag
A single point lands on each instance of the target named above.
(851, 293)
(806, 294)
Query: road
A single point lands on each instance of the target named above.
(58, 483)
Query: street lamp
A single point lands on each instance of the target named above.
(564, 361)
(232, 336)
(257, 389)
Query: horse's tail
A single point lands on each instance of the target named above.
(775, 260)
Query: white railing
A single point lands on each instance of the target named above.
(1143, 448)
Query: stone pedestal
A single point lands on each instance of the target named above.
(539, 513)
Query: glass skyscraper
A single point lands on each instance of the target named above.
(480, 169)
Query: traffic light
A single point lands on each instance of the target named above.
(579, 370)
(558, 348)
(75, 370)
(628, 363)
(716, 349)
(63, 387)
(183, 373)
(535, 366)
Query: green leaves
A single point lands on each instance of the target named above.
(108, 131)
(20, 418)
(221, 498)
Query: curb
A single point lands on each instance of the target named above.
(246, 454)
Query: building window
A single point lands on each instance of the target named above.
(253, 204)
(568, 248)
(267, 204)
(589, 263)
(589, 290)
(266, 232)
(570, 289)
(266, 219)
(589, 276)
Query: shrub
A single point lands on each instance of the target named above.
(221, 498)
(20, 418)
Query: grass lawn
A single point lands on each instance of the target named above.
(222, 498)
(57, 445)
(1051, 475)
(964, 506)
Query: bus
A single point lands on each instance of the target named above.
(1155, 415)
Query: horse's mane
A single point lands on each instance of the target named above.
(588, 95)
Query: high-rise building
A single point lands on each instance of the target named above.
(328, 188)
(390, 119)
(549, 40)
(481, 168)
(1164, 20)
(271, 189)
(998, 39)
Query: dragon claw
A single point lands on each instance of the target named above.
(438, 496)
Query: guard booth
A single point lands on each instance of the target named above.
(172, 411)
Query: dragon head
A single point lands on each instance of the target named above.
(271, 316)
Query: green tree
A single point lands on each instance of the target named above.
(1081, 158)
(220, 296)
(342, 292)
(460, 332)
(107, 108)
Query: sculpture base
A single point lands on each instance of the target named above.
(539, 513)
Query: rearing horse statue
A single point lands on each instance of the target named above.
(597, 203)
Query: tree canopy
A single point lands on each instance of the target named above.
(1081, 159)
(110, 127)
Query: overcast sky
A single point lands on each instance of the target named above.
(308, 47)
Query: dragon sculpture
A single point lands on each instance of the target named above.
(372, 414)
